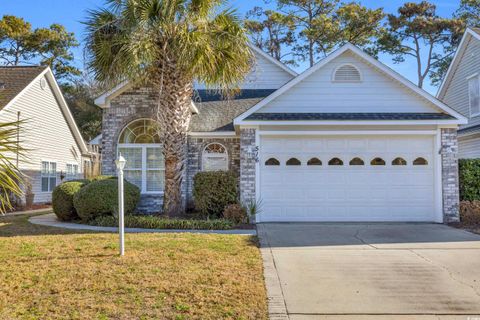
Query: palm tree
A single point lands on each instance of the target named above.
(10, 176)
(168, 44)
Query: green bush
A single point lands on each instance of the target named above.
(153, 222)
(469, 174)
(100, 178)
(62, 199)
(213, 191)
(235, 213)
(99, 198)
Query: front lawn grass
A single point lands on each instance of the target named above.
(51, 273)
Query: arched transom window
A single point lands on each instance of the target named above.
(139, 143)
(215, 158)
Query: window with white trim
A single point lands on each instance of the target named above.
(474, 95)
(139, 144)
(71, 172)
(49, 176)
(215, 158)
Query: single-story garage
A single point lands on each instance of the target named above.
(347, 140)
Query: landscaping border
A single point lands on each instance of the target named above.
(51, 220)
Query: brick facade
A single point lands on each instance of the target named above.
(139, 103)
(195, 150)
(450, 183)
(247, 166)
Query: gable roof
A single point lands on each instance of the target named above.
(470, 33)
(216, 115)
(26, 78)
(14, 79)
(377, 64)
(103, 100)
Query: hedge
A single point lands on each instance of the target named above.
(469, 175)
(153, 222)
(213, 191)
(62, 199)
(99, 198)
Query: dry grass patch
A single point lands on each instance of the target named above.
(60, 274)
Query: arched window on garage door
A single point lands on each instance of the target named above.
(294, 162)
(335, 162)
(272, 162)
(420, 162)
(215, 157)
(377, 162)
(399, 162)
(314, 162)
(356, 162)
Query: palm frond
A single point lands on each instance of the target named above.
(11, 178)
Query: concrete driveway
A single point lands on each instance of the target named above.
(371, 271)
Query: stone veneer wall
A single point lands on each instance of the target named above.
(195, 150)
(247, 166)
(450, 183)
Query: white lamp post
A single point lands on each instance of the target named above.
(120, 163)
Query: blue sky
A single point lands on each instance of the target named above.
(70, 13)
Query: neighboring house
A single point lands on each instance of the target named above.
(55, 146)
(347, 140)
(461, 91)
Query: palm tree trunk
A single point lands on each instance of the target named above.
(174, 114)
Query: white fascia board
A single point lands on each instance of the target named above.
(103, 101)
(456, 60)
(350, 47)
(272, 59)
(21, 93)
(347, 132)
(350, 122)
(219, 134)
(66, 112)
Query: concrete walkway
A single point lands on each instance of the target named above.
(51, 221)
(371, 271)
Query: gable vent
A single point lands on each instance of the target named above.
(347, 73)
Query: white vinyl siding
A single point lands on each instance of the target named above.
(45, 134)
(265, 75)
(474, 95)
(469, 147)
(456, 93)
(49, 176)
(376, 92)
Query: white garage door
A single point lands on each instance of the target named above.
(347, 178)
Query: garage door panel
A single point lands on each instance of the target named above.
(347, 193)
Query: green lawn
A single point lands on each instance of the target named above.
(51, 273)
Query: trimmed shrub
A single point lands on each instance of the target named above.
(62, 199)
(469, 175)
(213, 191)
(100, 198)
(235, 213)
(153, 222)
(470, 212)
(100, 178)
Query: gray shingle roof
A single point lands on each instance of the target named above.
(471, 129)
(346, 116)
(14, 79)
(215, 114)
